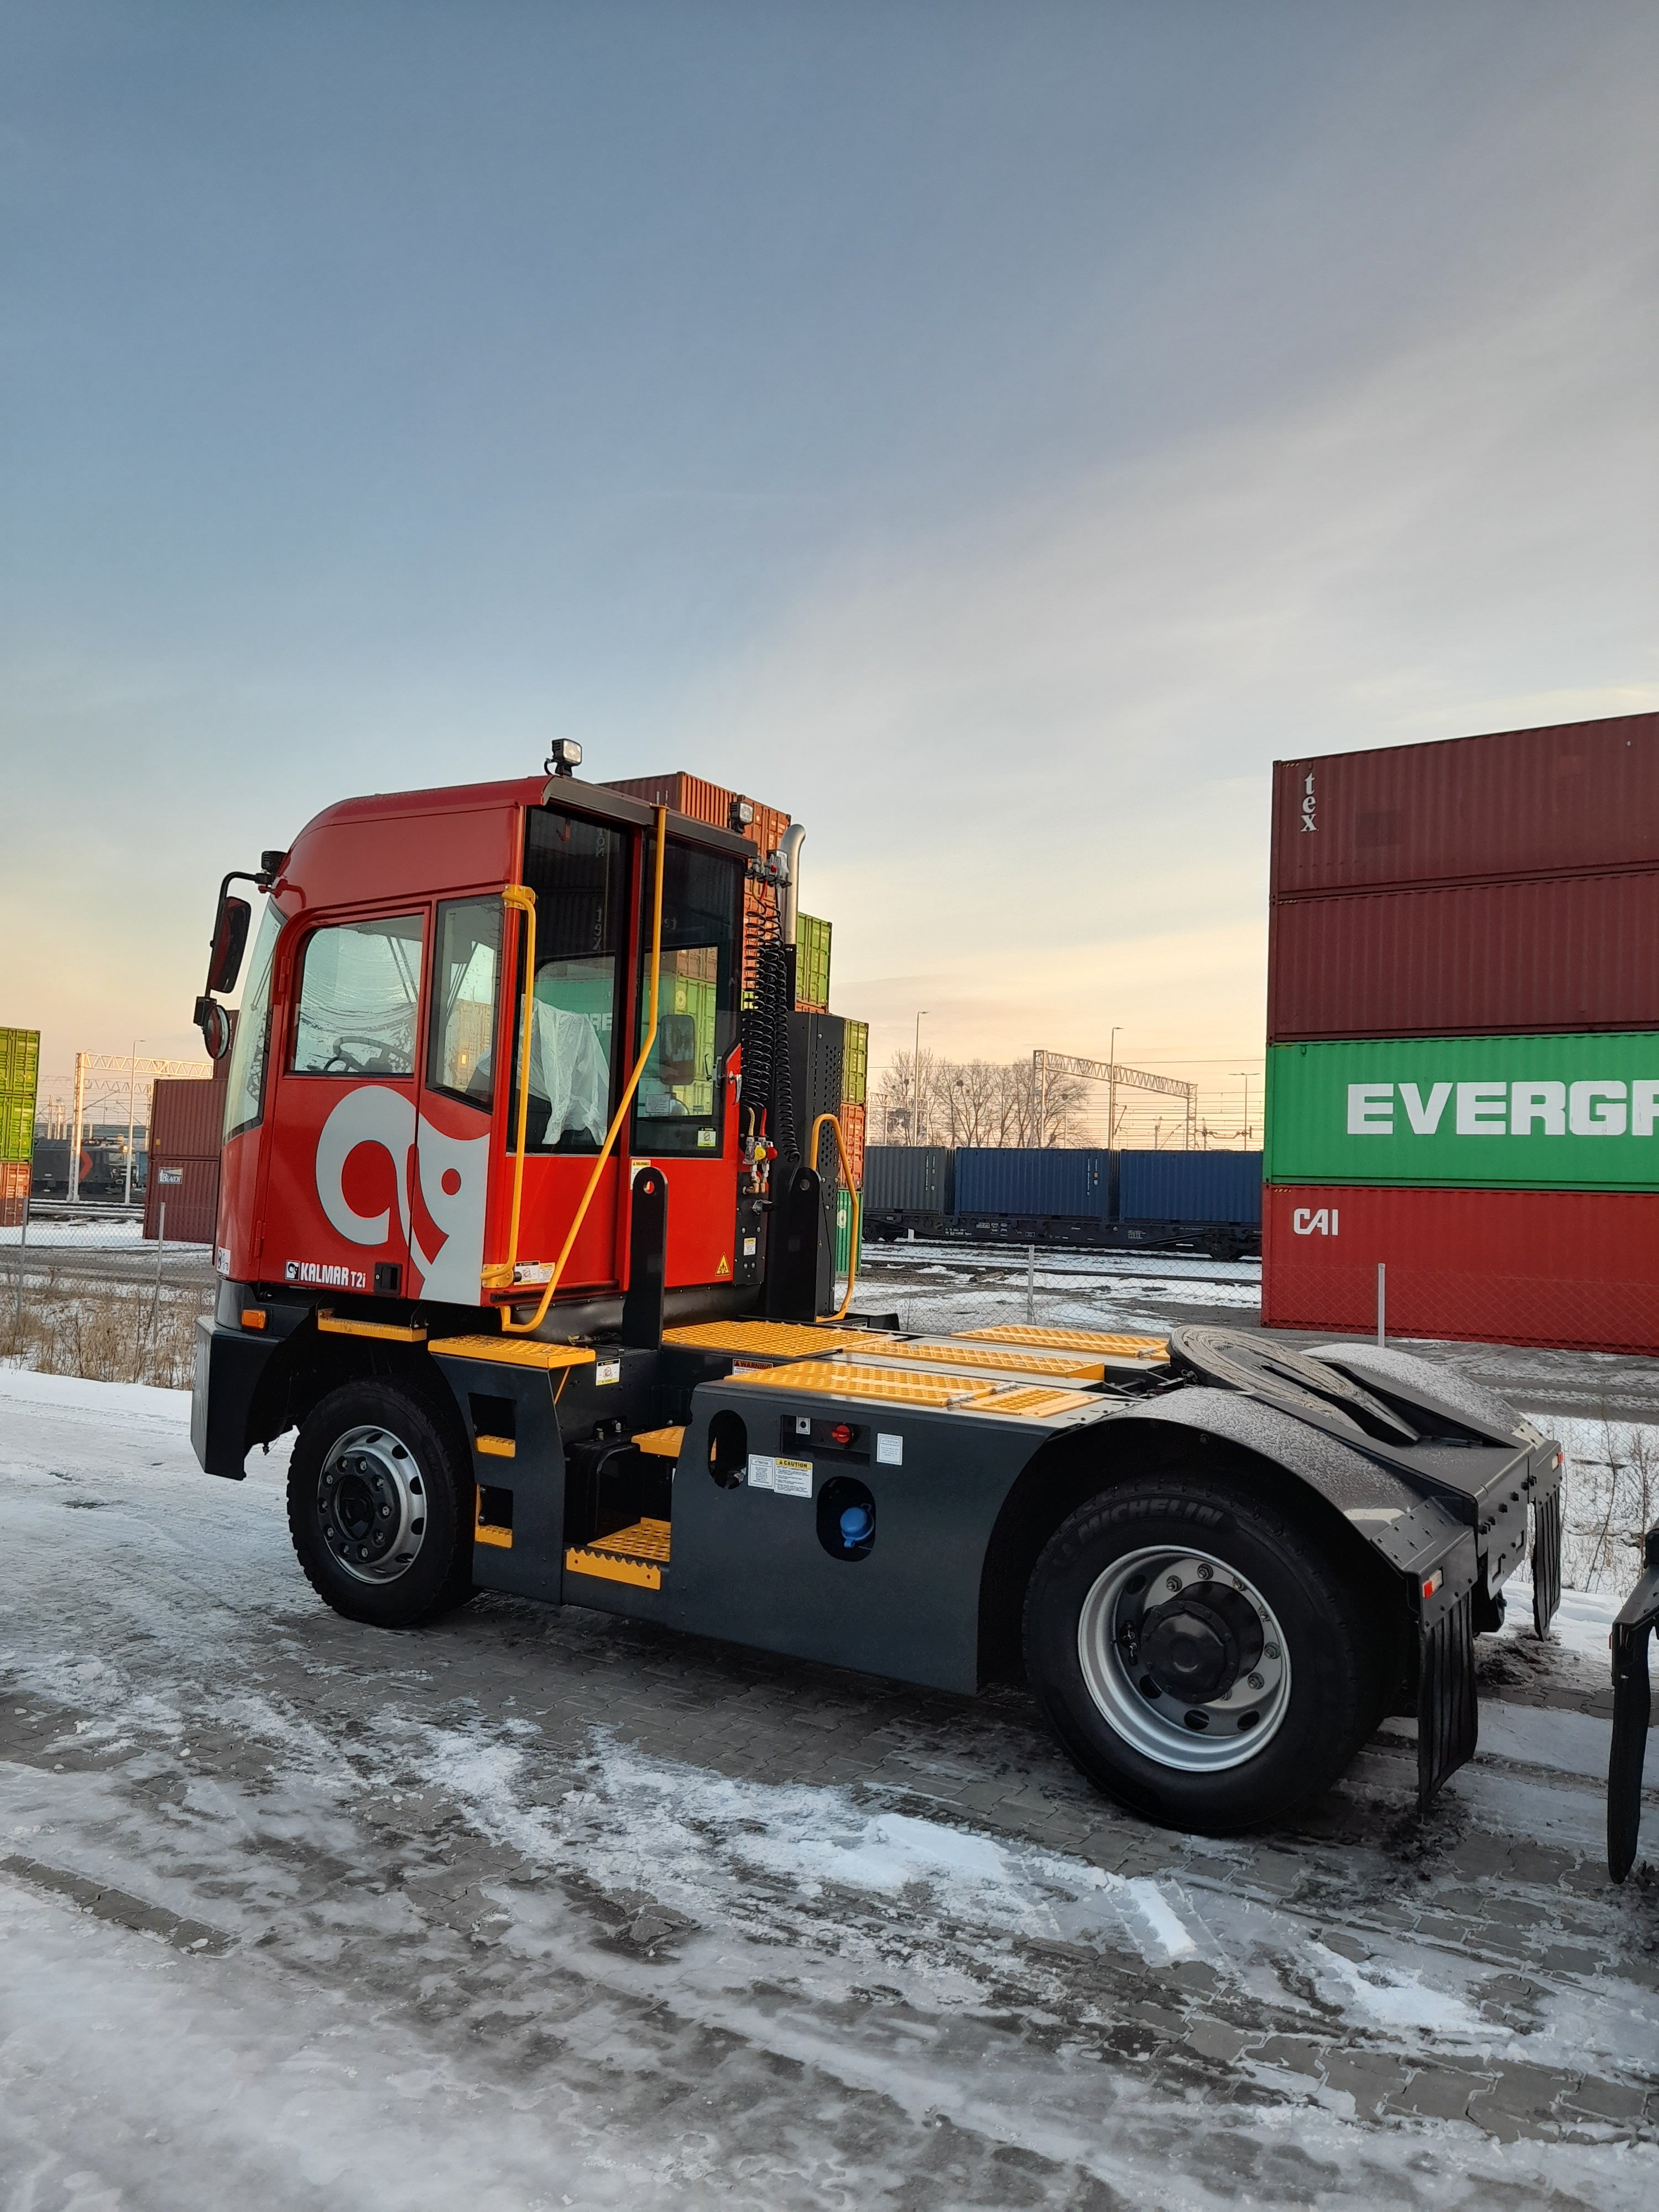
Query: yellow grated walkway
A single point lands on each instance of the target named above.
(893, 1386)
(1150, 1348)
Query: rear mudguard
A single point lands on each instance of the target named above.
(1444, 1501)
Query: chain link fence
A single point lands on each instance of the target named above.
(943, 1287)
(83, 1292)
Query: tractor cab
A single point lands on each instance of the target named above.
(471, 1019)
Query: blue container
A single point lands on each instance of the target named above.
(1188, 1187)
(1052, 1185)
(909, 1179)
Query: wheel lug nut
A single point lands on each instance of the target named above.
(1205, 1572)
(1255, 1681)
(1271, 1651)
(1172, 1582)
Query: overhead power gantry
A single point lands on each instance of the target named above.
(522, 1229)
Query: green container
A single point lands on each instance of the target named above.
(844, 1210)
(855, 1064)
(1489, 1112)
(811, 961)
(20, 1082)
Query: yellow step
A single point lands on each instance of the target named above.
(636, 1555)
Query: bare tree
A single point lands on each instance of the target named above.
(976, 1102)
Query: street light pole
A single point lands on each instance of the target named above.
(132, 1116)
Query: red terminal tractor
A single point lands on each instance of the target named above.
(524, 1228)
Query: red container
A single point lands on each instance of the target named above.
(1563, 953)
(13, 1192)
(189, 1189)
(1577, 1270)
(186, 1129)
(851, 1118)
(187, 1117)
(713, 803)
(1560, 800)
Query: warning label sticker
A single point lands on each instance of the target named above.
(788, 1478)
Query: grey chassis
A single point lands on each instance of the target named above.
(1218, 1561)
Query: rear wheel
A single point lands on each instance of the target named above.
(1200, 1653)
(380, 1507)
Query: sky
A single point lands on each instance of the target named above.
(994, 434)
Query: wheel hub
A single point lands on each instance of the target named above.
(371, 1500)
(1196, 1646)
(1185, 1659)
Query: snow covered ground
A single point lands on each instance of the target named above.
(539, 1909)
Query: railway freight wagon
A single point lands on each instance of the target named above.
(1463, 1039)
(1208, 1202)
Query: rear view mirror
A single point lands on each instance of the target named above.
(217, 1025)
(229, 942)
(676, 1049)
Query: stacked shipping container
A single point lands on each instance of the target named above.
(700, 801)
(1463, 1038)
(20, 1080)
(186, 1129)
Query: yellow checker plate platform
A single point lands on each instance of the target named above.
(775, 1340)
(1008, 1359)
(837, 1378)
(1151, 1348)
(661, 1443)
(513, 1351)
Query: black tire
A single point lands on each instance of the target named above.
(416, 1477)
(1329, 1701)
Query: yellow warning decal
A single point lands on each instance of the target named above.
(725, 1266)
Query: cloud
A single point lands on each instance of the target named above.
(1040, 752)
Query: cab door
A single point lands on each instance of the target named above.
(583, 874)
(336, 1213)
(450, 1188)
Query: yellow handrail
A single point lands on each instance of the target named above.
(841, 1312)
(518, 898)
(509, 1327)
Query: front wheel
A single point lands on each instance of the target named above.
(1200, 1653)
(380, 1507)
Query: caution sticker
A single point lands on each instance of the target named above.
(725, 1266)
(788, 1478)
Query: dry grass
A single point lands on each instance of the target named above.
(1611, 1493)
(117, 1333)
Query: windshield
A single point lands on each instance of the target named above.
(244, 1090)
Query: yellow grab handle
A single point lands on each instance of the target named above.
(510, 1327)
(518, 898)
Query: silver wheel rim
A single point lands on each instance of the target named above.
(1198, 1734)
(372, 1501)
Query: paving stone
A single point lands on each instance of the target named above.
(1526, 2089)
(1608, 2101)
(1216, 2038)
(1370, 2077)
(1296, 2054)
(1438, 2093)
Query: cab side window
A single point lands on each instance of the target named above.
(360, 990)
(459, 1059)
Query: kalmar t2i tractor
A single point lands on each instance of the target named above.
(523, 1229)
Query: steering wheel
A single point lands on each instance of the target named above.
(340, 1061)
